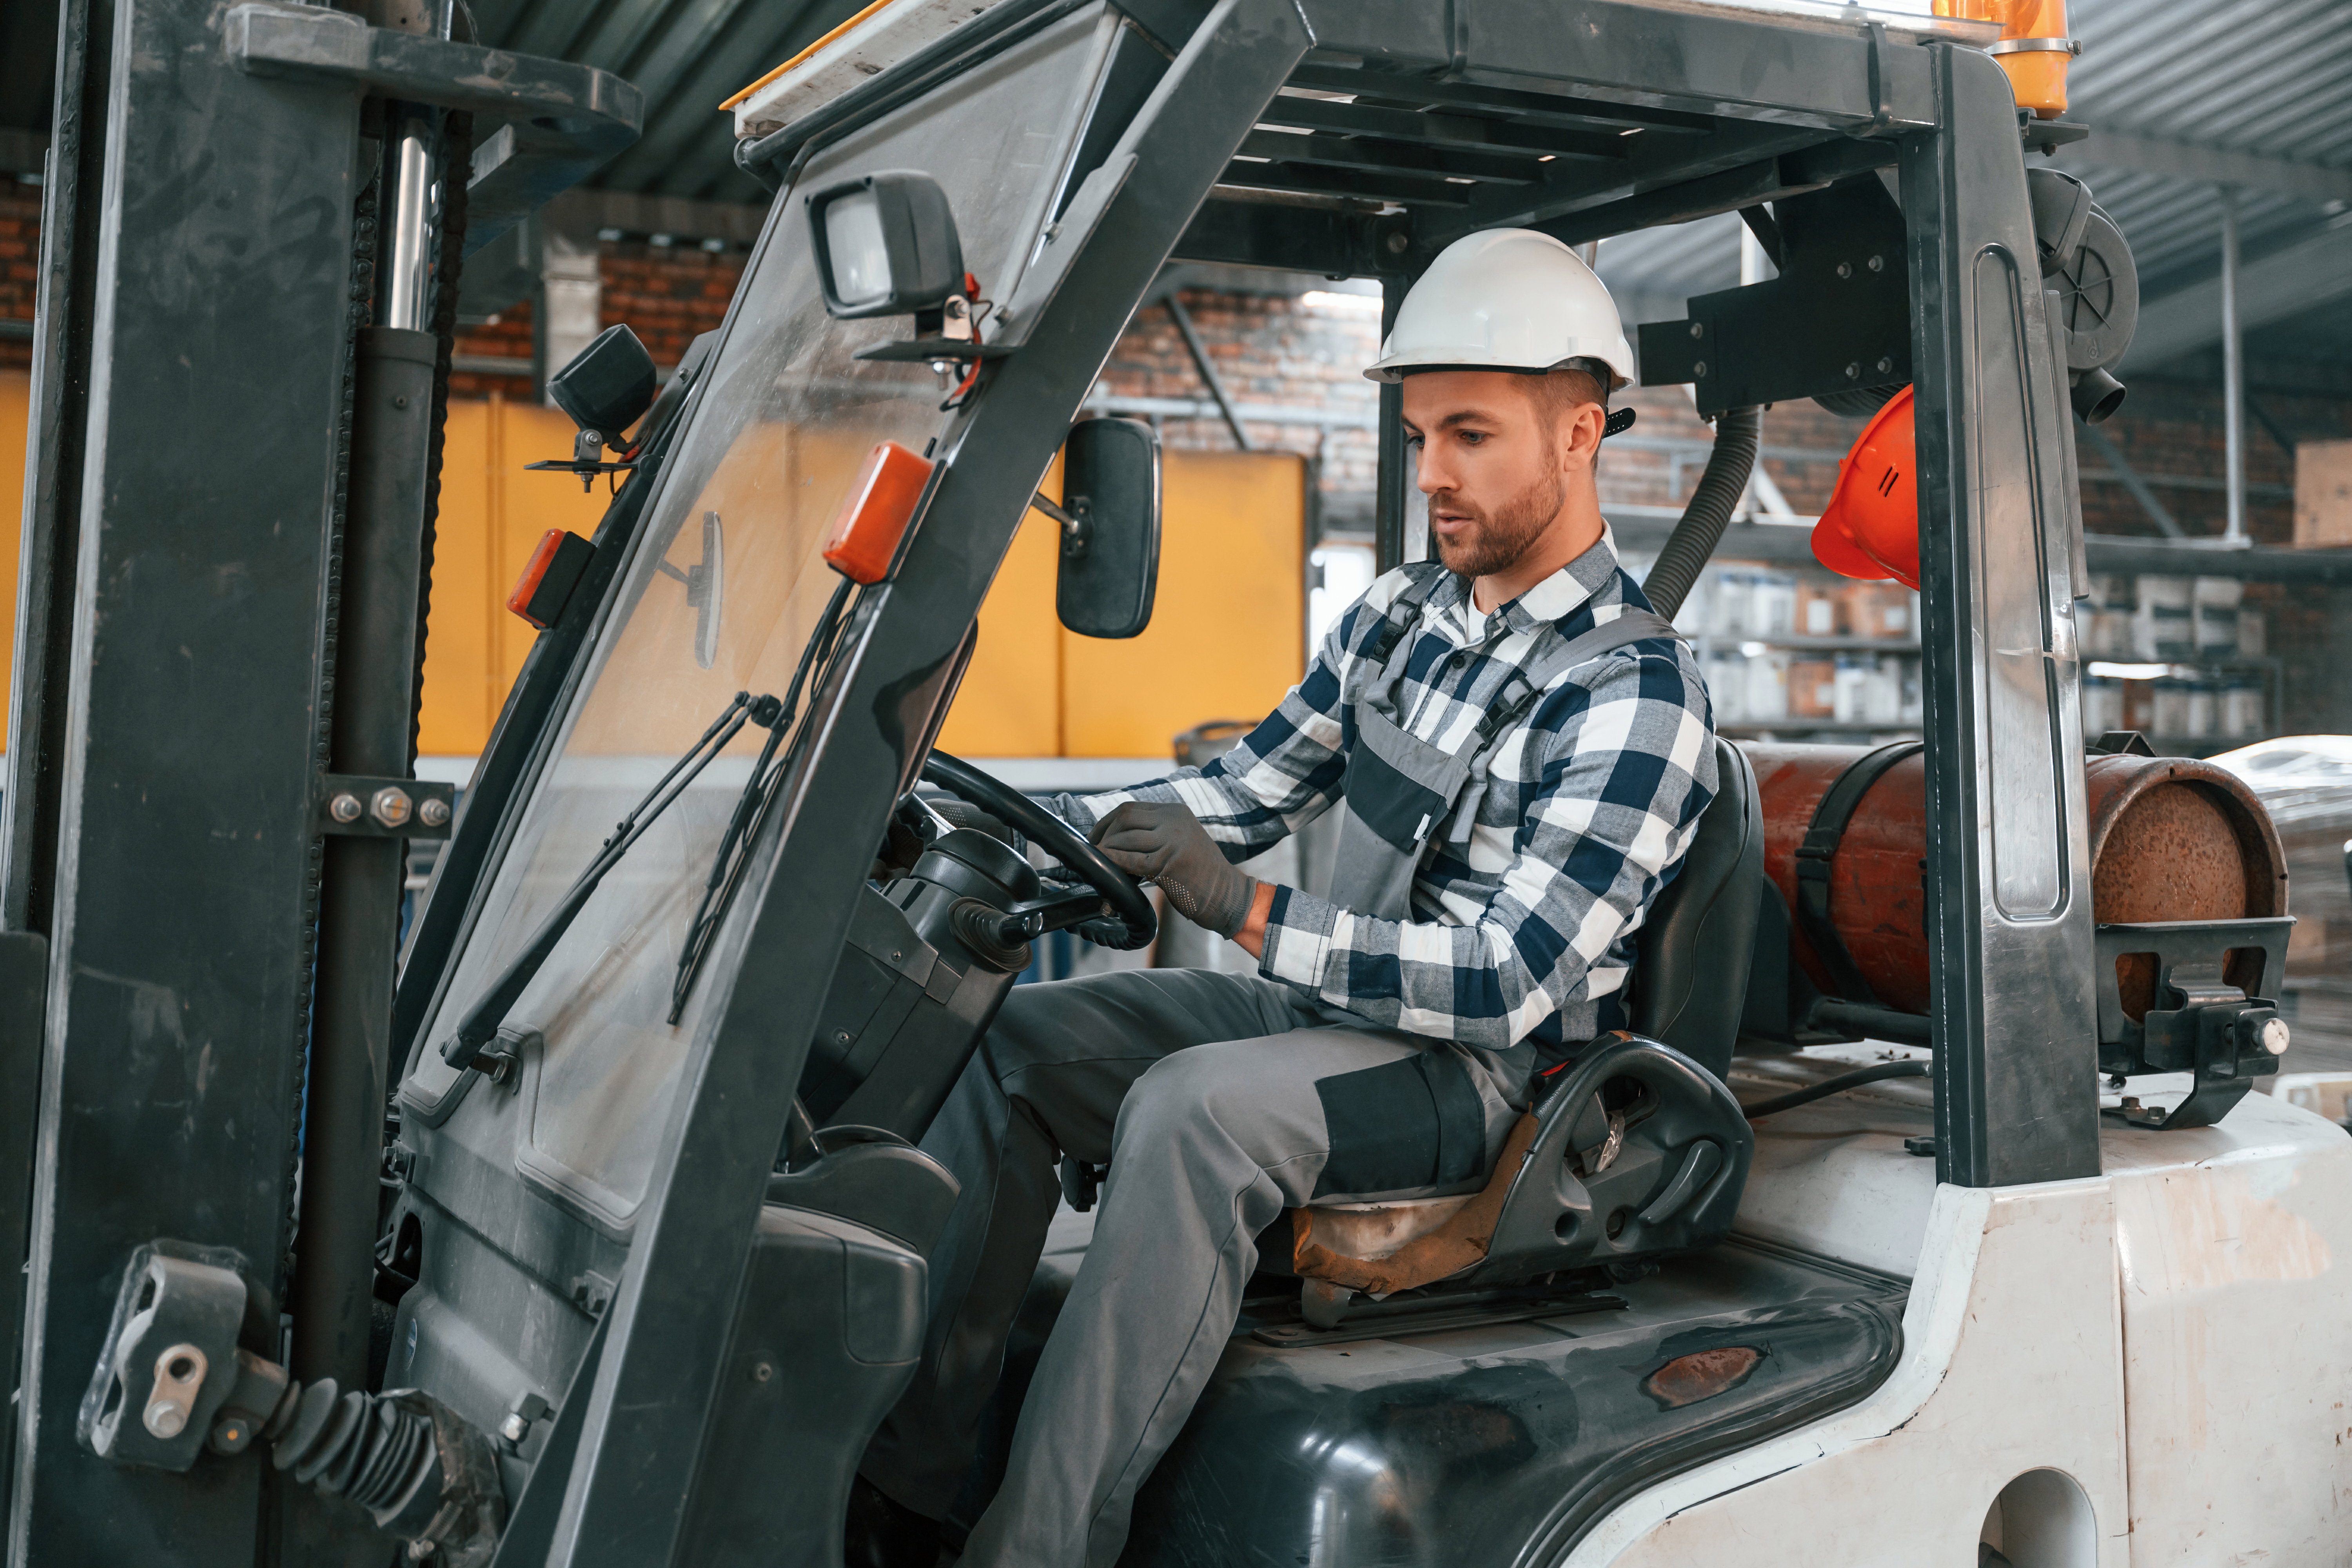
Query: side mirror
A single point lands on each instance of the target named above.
(886, 245)
(1110, 528)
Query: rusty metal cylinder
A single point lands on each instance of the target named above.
(2172, 838)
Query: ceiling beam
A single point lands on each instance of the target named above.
(2206, 165)
(2301, 278)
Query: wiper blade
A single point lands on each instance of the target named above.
(480, 1026)
(751, 807)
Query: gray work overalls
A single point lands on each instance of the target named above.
(1400, 787)
(1218, 1099)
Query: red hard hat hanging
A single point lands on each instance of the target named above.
(1870, 530)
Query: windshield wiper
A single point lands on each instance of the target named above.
(750, 807)
(480, 1026)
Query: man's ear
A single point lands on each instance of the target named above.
(1582, 424)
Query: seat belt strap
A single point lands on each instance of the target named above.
(1519, 693)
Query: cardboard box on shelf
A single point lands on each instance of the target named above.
(1820, 610)
(1878, 610)
(2323, 493)
(1813, 689)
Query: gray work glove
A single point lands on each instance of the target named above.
(1167, 845)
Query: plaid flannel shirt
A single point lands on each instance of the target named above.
(1523, 918)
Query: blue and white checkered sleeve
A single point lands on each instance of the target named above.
(1283, 774)
(1626, 763)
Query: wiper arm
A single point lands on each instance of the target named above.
(750, 807)
(480, 1026)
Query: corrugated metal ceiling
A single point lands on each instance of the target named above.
(686, 55)
(2267, 77)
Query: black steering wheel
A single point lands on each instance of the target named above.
(1064, 843)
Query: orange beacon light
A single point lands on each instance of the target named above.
(2035, 49)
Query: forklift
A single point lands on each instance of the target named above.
(585, 1222)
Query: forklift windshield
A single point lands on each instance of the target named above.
(722, 596)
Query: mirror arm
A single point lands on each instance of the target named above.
(1076, 527)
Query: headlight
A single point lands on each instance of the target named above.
(886, 245)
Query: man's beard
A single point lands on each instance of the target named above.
(1501, 538)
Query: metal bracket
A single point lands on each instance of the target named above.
(1838, 319)
(365, 807)
(176, 1319)
(2200, 1022)
(556, 123)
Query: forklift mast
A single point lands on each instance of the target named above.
(227, 526)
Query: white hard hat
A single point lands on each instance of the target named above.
(1505, 299)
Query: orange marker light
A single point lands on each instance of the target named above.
(874, 515)
(547, 578)
(1870, 530)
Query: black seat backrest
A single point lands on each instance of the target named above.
(1691, 957)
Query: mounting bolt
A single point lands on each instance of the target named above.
(2276, 1036)
(761, 1371)
(1878, 264)
(391, 806)
(514, 1428)
(1698, 329)
(179, 1379)
(345, 807)
(1397, 243)
(433, 813)
(1845, 268)
(1698, 371)
(1885, 363)
(1852, 371)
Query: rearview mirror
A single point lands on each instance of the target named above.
(1110, 528)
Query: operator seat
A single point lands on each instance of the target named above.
(1639, 1147)
(1690, 968)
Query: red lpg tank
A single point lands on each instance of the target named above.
(2172, 838)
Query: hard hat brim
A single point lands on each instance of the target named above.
(1396, 367)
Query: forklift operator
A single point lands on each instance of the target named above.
(1521, 749)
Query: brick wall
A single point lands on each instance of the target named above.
(20, 256)
(1269, 349)
(668, 295)
(1273, 350)
(1277, 351)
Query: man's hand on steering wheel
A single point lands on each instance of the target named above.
(1165, 844)
(1128, 920)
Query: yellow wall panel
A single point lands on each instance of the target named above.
(1228, 633)
(456, 713)
(1010, 704)
(1227, 639)
(492, 515)
(15, 405)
